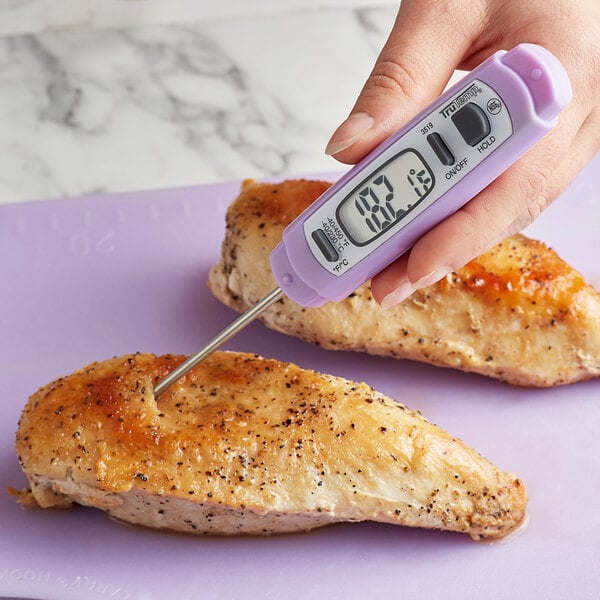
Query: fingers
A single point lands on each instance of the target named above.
(428, 41)
(508, 205)
(412, 69)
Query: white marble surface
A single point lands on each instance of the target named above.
(90, 104)
(33, 16)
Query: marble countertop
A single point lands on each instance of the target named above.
(116, 96)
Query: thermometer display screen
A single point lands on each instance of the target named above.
(385, 197)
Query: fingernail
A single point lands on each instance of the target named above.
(431, 278)
(401, 293)
(349, 132)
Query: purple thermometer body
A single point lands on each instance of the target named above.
(420, 175)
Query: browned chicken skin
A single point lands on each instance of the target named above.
(249, 445)
(517, 313)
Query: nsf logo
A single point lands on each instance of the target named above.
(494, 106)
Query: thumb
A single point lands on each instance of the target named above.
(427, 42)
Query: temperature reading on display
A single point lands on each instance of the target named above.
(420, 181)
(374, 203)
(385, 197)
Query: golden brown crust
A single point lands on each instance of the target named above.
(244, 444)
(517, 313)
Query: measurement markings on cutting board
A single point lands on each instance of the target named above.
(89, 230)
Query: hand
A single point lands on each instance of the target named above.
(429, 40)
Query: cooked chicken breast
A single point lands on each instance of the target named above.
(248, 445)
(517, 313)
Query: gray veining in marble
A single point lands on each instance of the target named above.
(171, 105)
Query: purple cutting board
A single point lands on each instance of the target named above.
(89, 278)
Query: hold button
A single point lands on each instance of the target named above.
(472, 123)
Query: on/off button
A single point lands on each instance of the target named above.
(438, 145)
(324, 245)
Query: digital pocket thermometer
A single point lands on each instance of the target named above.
(415, 179)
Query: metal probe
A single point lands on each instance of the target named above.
(240, 323)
